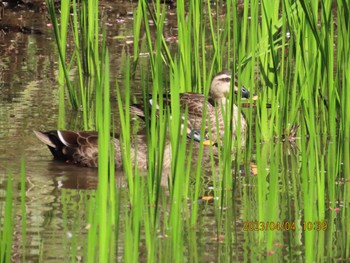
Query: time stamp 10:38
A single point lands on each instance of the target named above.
(284, 226)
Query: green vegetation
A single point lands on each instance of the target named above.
(6, 229)
(282, 195)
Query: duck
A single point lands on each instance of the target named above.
(81, 147)
(216, 105)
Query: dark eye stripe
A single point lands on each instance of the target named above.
(225, 79)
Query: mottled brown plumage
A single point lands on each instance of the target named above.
(215, 107)
(81, 147)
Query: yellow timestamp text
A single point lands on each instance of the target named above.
(284, 226)
(316, 225)
(265, 226)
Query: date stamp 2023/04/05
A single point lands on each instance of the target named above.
(284, 226)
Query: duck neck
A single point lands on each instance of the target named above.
(222, 103)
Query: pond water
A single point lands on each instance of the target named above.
(57, 194)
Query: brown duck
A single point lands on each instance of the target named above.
(215, 107)
(81, 147)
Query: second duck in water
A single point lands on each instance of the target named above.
(81, 147)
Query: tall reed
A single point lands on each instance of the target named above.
(60, 30)
(6, 224)
(23, 208)
(84, 25)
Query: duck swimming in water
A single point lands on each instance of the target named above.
(81, 147)
(216, 106)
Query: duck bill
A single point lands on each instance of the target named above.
(244, 92)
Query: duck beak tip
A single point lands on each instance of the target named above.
(245, 92)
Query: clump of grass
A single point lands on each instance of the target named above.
(285, 55)
(84, 25)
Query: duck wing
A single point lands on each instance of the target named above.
(193, 101)
(196, 105)
(79, 147)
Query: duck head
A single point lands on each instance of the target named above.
(220, 86)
